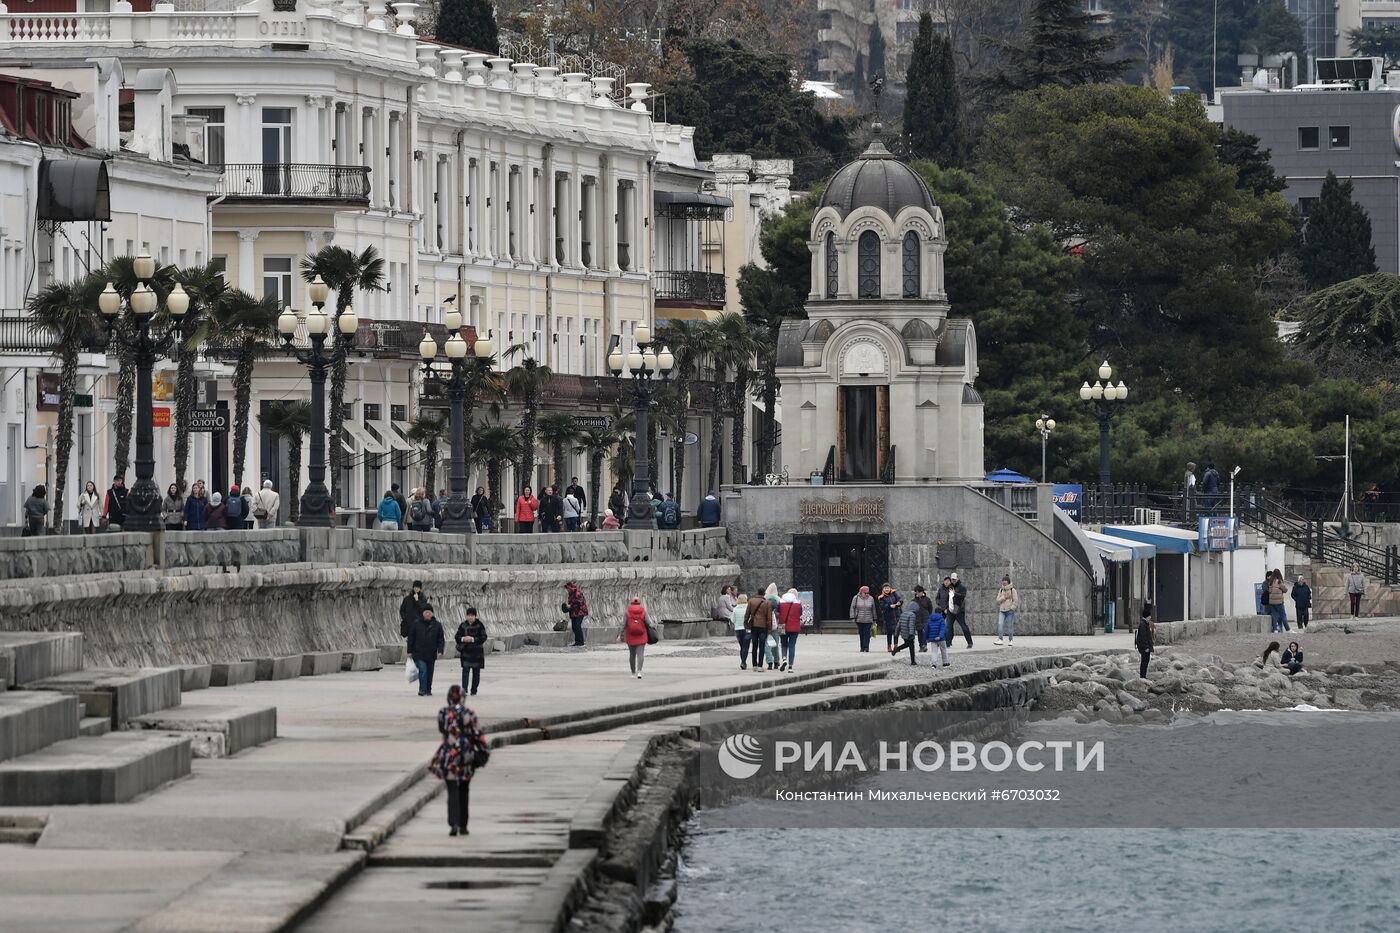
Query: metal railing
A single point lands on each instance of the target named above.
(19, 334)
(702, 287)
(829, 469)
(1318, 540)
(295, 181)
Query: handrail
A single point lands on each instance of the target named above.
(829, 470)
(1317, 540)
(295, 181)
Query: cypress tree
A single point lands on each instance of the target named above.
(931, 122)
(1060, 44)
(1336, 238)
(877, 51)
(468, 22)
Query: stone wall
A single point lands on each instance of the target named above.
(54, 555)
(190, 615)
(932, 530)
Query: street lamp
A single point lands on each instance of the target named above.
(144, 501)
(1044, 424)
(649, 370)
(1103, 393)
(316, 504)
(461, 395)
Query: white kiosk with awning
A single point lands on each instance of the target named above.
(1128, 574)
(1170, 573)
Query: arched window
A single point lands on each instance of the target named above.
(831, 277)
(868, 265)
(912, 266)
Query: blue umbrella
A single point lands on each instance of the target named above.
(1007, 476)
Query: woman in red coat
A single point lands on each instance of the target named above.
(790, 623)
(525, 507)
(634, 632)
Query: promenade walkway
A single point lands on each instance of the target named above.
(279, 833)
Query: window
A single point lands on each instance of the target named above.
(561, 207)
(624, 224)
(905, 32)
(513, 209)
(586, 215)
(832, 266)
(868, 268)
(277, 279)
(1307, 137)
(213, 132)
(1306, 205)
(912, 265)
(1338, 137)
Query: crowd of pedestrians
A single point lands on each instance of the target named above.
(198, 510)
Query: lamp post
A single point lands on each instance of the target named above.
(1044, 424)
(461, 396)
(1103, 393)
(649, 370)
(316, 504)
(144, 500)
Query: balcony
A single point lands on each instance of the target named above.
(18, 335)
(699, 289)
(289, 182)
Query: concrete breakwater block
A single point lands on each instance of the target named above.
(316, 663)
(392, 654)
(215, 731)
(278, 668)
(119, 694)
(232, 673)
(550, 639)
(110, 768)
(361, 659)
(29, 656)
(194, 676)
(32, 720)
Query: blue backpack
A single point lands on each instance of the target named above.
(671, 513)
(233, 506)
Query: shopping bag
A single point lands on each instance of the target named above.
(411, 670)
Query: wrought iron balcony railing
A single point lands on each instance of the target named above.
(289, 181)
(705, 288)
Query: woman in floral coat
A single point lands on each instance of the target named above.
(463, 750)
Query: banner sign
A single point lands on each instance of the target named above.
(209, 420)
(160, 417)
(1069, 497)
(1217, 534)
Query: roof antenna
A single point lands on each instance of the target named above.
(877, 87)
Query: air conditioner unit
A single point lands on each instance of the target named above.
(1147, 516)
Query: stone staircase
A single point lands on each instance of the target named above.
(1330, 595)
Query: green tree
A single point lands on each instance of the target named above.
(247, 325)
(1273, 30)
(744, 341)
(429, 428)
(595, 443)
(346, 273)
(1336, 237)
(768, 299)
(1241, 150)
(1059, 44)
(206, 288)
(495, 444)
(1376, 42)
(524, 383)
(932, 124)
(290, 421)
(470, 23)
(558, 430)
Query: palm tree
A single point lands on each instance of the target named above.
(346, 272)
(290, 421)
(524, 383)
(494, 444)
(121, 272)
(767, 302)
(742, 342)
(689, 344)
(207, 289)
(428, 429)
(67, 313)
(558, 429)
(596, 443)
(624, 460)
(248, 324)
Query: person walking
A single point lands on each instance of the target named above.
(403, 504)
(934, 635)
(247, 494)
(957, 609)
(551, 511)
(1292, 659)
(634, 633)
(1302, 602)
(36, 513)
(758, 620)
(670, 513)
(575, 489)
(389, 513)
(890, 605)
(425, 644)
(1356, 588)
(525, 507)
(908, 632)
(215, 513)
(923, 608)
(267, 505)
(420, 512)
(736, 618)
(707, 514)
(196, 508)
(90, 508)
(1007, 602)
(411, 608)
(1278, 596)
(864, 611)
(1143, 639)
(572, 512)
(576, 606)
(790, 621)
(471, 650)
(233, 509)
(481, 509)
(1189, 489)
(1210, 486)
(462, 752)
(610, 522)
(617, 505)
(172, 509)
(114, 506)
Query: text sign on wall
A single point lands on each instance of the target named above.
(160, 417)
(1069, 497)
(870, 509)
(1216, 534)
(209, 420)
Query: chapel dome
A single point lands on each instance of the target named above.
(876, 179)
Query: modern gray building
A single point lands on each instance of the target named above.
(1354, 133)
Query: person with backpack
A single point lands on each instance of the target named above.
(425, 644)
(403, 505)
(909, 630)
(670, 516)
(389, 513)
(462, 752)
(790, 622)
(420, 512)
(471, 650)
(267, 505)
(636, 635)
(758, 619)
(114, 506)
(233, 509)
(934, 636)
(576, 607)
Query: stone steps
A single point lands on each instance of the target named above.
(112, 768)
(22, 826)
(119, 694)
(31, 656)
(216, 731)
(30, 721)
(94, 725)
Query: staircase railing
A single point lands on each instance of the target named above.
(1318, 540)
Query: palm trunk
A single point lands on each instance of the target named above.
(717, 393)
(739, 399)
(336, 416)
(678, 461)
(63, 444)
(493, 481)
(185, 390)
(294, 474)
(558, 464)
(653, 453)
(126, 402)
(430, 469)
(527, 442)
(595, 481)
(242, 401)
(768, 434)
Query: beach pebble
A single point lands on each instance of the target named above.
(1345, 667)
(1348, 699)
(1131, 702)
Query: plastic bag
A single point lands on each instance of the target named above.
(411, 670)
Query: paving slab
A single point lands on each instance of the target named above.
(111, 768)
(30, 656)
(119, 693)
(31, 720)
(216, 730)
(194, 676)
(232, 673)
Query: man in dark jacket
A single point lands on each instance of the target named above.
(425, 644)
(403, 505)
(618, 503)
(114, 506)
(471, 651)
(411, 608)
(1143, 640)
(670, 513)
(923, 608)
(957, 610)
(707, 513)
(1302, 601)
(551, 510)
(576, 490)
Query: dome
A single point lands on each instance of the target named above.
(876, 179)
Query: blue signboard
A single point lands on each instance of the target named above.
(1069, 497)
(1217, 534)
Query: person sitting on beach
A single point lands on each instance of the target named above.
(1263, 661)
(1292, 659)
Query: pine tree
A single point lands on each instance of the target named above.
(470, 23)
(1059, 44)
(1336, 238)
(931, 122)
